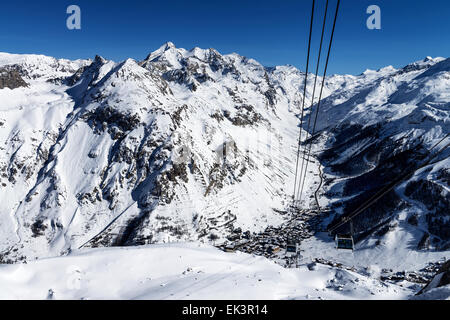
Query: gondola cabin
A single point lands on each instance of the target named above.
(344, 241)
(291, 249)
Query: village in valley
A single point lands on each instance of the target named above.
(280, 244)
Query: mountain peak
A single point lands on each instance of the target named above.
(166, 46)
(99, 59)
(160, 51)
(169, 45)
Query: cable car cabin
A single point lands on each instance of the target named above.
(291, 249)
(344, 241)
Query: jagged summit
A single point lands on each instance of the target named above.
(168, 45)
(162, 51)
(99, 59)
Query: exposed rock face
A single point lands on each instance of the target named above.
(10, 78)
(441, 279)
(437, 200)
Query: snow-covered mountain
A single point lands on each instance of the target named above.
(386, 128)
(187, 145)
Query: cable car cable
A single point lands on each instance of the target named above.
(303, 100)
(321, 92)
(314, 87)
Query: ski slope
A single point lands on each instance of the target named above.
(183, 271)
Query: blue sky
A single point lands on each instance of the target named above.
(272, 32)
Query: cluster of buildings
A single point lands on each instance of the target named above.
(281, 243)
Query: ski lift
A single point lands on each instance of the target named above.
(291, 249)
(344, 241)
(292, 253)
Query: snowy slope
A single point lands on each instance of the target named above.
(383, 129)
(187, 145)
(183, 271)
